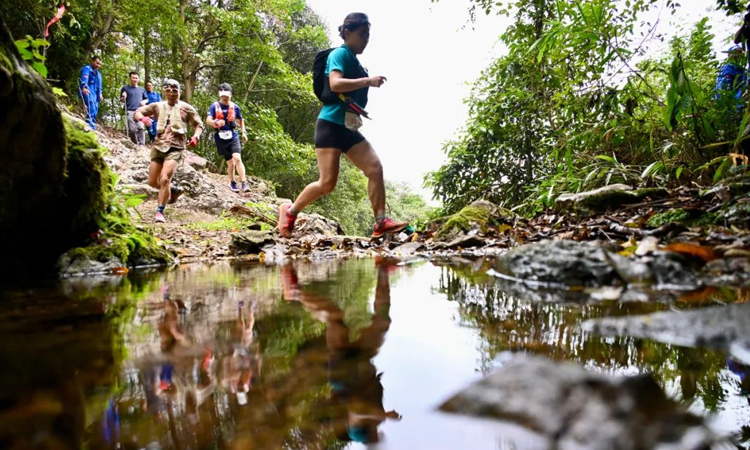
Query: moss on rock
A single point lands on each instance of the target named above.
(673, 215)
(480, 214)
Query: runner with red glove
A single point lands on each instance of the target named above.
(168, 151)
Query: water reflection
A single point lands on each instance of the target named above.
(356, 390)
(307, 355)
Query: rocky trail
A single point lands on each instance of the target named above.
(683, 239)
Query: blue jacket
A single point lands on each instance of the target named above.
(731, 78)
(153, 97)
(91, 79)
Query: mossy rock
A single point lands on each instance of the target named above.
(481, 215)
(597, 200)
(34, 223)
(606, 198)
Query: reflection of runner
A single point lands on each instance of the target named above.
(354, 379)
(111, 425)
(243, 366)
(742, 371)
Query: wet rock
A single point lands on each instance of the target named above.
(250, 242)
(570, 263)
(479, 217)
(566, 262)
(724, 327)
(409, 248)
(577, 409)
(73, 263)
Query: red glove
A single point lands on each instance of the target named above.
(193, 141)
(147, 121)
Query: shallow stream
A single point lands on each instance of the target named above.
(319, 355)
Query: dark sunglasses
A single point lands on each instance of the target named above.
(170, 90)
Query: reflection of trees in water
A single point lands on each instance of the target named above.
(507, 322)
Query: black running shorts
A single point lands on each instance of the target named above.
(226, 148)
(333, 135)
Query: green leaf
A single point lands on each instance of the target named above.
(723, 168)
(678, 172)
(40, 68)
(25, 54)
(606, 158)
(652, 168)
(22, 43)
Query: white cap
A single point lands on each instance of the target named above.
(225, 93)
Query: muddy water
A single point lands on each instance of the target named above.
(311, 355)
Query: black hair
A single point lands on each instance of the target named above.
(95, 57)
(353, 21)
(149, 81)
(225, 87)
(134, 73)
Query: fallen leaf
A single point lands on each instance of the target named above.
(705, 253)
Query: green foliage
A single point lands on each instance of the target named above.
(32, 51)
(90, 187)
(577, 103)
(226, 223)
(673, 215)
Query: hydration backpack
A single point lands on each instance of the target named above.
(322, 87)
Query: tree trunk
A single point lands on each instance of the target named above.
(147, 53)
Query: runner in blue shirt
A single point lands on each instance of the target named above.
(153, 97)
(90, 89)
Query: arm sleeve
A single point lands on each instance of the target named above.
(143, 95)
(336, 61)
(237, 113)
(212, 111)
(99, 85)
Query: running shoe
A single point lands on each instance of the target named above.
(233, 186)
(387, 225)
(159, 218)
(174, 194)
(286, 220)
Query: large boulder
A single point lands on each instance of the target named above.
(52, 186)
(577, 409)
